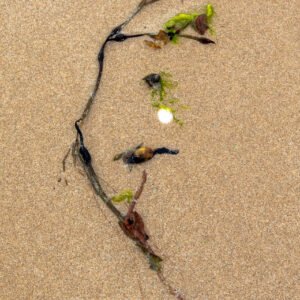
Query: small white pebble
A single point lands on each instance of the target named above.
(165, 116)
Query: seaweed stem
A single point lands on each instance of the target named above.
(111, 37)
(93, 178)
(79, 149)
(137, 194)
(202, 40)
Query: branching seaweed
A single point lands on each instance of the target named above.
(131, 223)
(172, 29)
(114, 36)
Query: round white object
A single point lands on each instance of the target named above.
(165, 116)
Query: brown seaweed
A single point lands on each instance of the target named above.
(141, 154)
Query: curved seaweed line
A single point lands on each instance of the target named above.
(77, 148)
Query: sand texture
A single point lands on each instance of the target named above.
(224, 213)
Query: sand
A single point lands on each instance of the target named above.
(224, 213)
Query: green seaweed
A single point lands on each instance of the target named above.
(182, 20)
(155, 262)
(179, 22)
(210, 14)
(172, 29)
(161, 99)
(126, 195)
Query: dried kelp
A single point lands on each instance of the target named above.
(78, 148)
(131, 223)
(141, 154)
(134, 227)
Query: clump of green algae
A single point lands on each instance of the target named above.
(124, 196)
(182, 20)
(161, 85)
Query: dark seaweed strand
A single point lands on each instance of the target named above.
(116, 36)
(122, 37)
(84, 152)
(78, 145)
(93, 178)
(79, 132)
(202, 40)
(142, 4)
(113, 36)
(165, 150)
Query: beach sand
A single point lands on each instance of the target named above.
(224, 213)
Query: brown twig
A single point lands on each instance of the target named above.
(138, 193)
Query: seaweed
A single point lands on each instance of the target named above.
(141, 154)
(204, 21)
(210, 14)
(161, 85)
(124, 196)
(172, 29)
(78, 148)
(132, 222)
(179, 22)
(134, 227)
